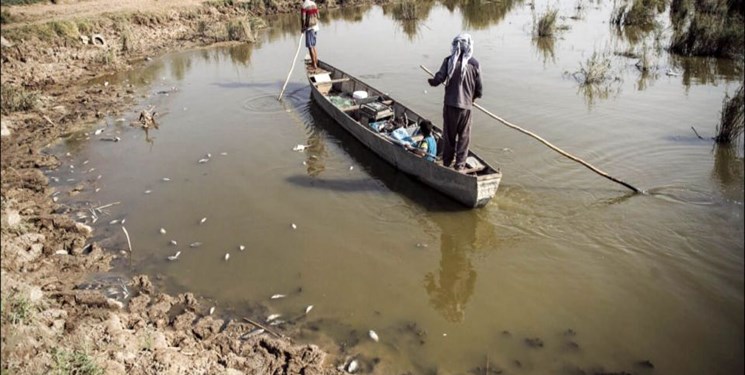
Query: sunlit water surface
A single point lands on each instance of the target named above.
(602, 277)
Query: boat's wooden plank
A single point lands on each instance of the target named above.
(344, 79)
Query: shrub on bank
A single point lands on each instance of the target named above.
(13, 99)
(732, 120)
(715, 28)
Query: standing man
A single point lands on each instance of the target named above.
(462, 77)
(309, 25)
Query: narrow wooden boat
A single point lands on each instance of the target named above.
(377, 121)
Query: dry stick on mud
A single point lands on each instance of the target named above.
(545, 142)
(265, 328)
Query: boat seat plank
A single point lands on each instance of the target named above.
(331, 81)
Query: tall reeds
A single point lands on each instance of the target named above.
(732, 120)
(546, 26)
(715, 28)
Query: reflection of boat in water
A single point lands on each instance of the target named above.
(384, 126)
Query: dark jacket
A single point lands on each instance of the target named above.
(460, 94)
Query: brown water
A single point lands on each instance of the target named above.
(655, 277)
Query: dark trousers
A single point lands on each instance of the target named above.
(456, 135)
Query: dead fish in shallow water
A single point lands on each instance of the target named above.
(212, 310)
(203, 220)
(352, 367)
(277, 322)
(162, 231)
(278, 296)
(195, 244)
(202, 161)
(294, 226)
(241, 248)
(227, 256)
(112, 222)
(272, 317)
(351, 167)
(307, 309)
(299, 148)
(373, 335)
(166, 179)
(174, 243)
(148, 191)
(98, 131)
(174, 256)
(224, 153)
(123, 220)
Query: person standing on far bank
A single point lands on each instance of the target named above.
(462, 77)
(309, 25)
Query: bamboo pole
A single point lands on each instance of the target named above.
(547, 143)
(299, 45)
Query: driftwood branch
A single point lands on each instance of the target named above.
(545, 142)
(265, 328)
(695, 132)
(129, 243)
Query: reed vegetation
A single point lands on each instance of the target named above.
(546, 25)
(595, 70)
(708, 28)
(732, 120)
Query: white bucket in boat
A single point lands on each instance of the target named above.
(360, 95)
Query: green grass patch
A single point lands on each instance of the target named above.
(17, 310)
(76, 362)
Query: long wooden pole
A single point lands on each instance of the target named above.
(299, 45)
(545, 142)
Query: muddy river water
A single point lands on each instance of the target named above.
(562, 271)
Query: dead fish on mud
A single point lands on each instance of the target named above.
(278, 296)
(174, 243)
(272, 317)
(353, 366)
(166, 179)
(241, 248)
(251, 333)
(227, 256)
(195, 244)
(203, 220)
(174, 256)
(110, 139)
(373, 335)
(162, 231)
(277, 322)
(148, 191)
(112, 222)
(212, 310)
(294, 226)
(202, 161)
(307, 309)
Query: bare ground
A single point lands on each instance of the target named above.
(48, 324)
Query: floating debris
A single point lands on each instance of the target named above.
(272, 317)
(203, 220)
(278, 296)
(166, 179)
(300, 148)
(212, 310)
(162, 231)
(174, 243)
(202, 161)
(307, 309)
(373, 335)
(148, 191)
(227, 256)
(294, 226)
(352, 366)
(241, 248)
(195, 244)
(174, 256)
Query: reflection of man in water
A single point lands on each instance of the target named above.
(450, 291)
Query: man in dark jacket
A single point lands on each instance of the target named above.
(462, 77)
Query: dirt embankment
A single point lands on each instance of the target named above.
(48, 54)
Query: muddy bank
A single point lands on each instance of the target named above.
(48, 321)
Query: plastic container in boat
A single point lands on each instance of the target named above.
(360, 95)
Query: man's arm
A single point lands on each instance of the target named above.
(477, 87)
(441, 74)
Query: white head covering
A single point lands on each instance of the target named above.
(462, 45)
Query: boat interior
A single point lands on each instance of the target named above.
(380, 113)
